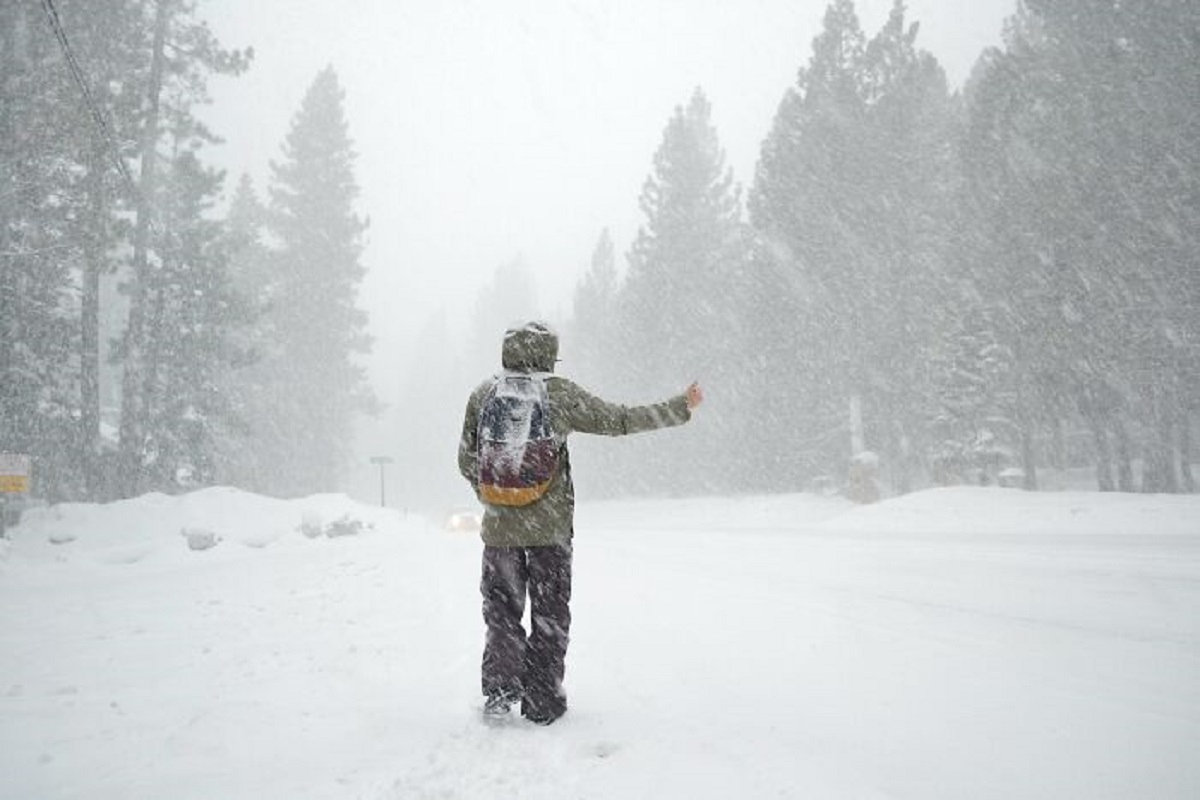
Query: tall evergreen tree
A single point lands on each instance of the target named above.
(244, 461)
(679, 304)
(910, 124)
(973, 428)
(1084, 125)
(195, 324)
(112, 45)
(80, 99)
(681, 259)
(182, 53)
(246, 223)
(593, 323)
(1000, 254)
(809, 186)
(65, 132)
(849, 201)
(36, 249)
(592, 350)
(317, 385)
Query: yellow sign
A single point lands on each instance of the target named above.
(14, 484)
(14, 473)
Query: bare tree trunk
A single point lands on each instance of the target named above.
(1025, 417)
(1059, 452)
(857, 439)
(862, 483)
(156, 299)
(9, 303)
(1104, 475)
(1124, 457)
(1028, 460)
(904, 463)
(1185, 448)
(133, 422)
(1166, 435)
(1159, 474)
(10, 334)
(89, 320)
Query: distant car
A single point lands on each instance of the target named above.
(464, 521)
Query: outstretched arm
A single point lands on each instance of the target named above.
(587, 413)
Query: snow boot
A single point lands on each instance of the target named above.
(497, 704)
(543, 713)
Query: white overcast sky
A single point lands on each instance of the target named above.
(492, 129)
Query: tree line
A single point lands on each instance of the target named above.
(962, 283)
(957, 286)
(149, 340)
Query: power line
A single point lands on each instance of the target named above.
(89, 100)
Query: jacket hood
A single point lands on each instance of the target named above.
(532, 347)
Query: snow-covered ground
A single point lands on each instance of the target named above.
(958, 643)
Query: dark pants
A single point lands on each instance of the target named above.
(529, 666)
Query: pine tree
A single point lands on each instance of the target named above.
(910, 127)
(246, 222)
(244, 460)
(1084, 143)
(684, 255)
(594, 329)
(974, 431)
(680, 303)
(593, 351)
(1001, 257)
(317, 386)
(808, 196)
(850, 201)
(76, 98)
(111, 44)
(784, 379)
(60, 217)
(182, 53)
(35, 252)
(195, 325)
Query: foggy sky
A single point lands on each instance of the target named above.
(491, 131)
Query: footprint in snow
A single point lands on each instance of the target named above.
(603, 749)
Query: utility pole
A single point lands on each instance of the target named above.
(382, 461)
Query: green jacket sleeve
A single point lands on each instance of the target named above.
(577, 409)
(468, 444)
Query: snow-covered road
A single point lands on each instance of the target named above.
(950, 644)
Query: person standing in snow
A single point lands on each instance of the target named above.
(528, 521)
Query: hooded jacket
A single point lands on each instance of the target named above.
(550, 520)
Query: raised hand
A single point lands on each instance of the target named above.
(695, 395)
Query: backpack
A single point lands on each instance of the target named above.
(518, 452)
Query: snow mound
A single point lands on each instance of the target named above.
(162, 526)
(976, 511)
(199, 538)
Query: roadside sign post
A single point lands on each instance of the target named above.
(382, 461)
(14, 479)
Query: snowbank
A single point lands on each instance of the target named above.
(978, 643)
(975, 512)
(158, 526)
